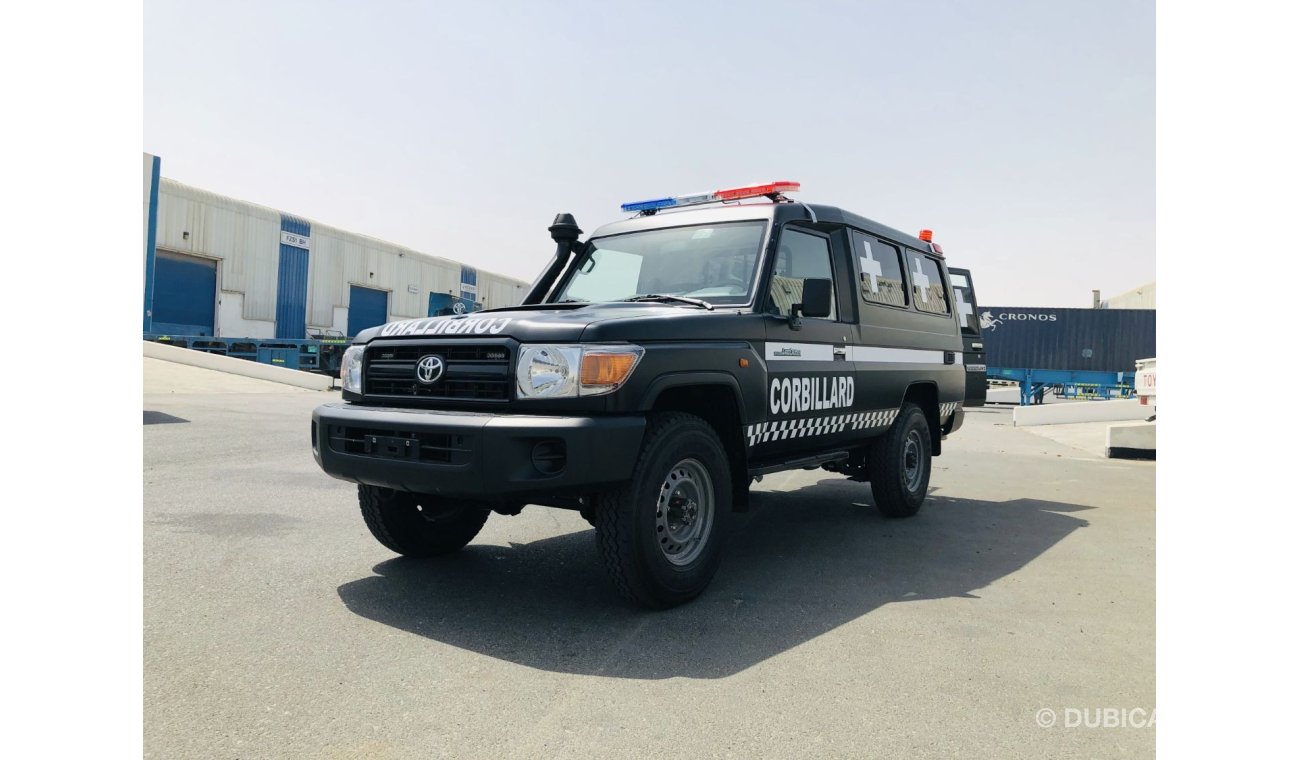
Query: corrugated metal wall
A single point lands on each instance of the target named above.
(291, 286)
(495, 291)
(1108, 340)
(342, 259)
(245, 238)
(1143, 297)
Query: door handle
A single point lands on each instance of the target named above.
(841, 352)
(949, 357)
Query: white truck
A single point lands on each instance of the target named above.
(1144, 383)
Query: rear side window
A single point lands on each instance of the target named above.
(964, 297)
(928, 292)
(880, 271)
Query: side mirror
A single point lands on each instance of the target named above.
(816, 298)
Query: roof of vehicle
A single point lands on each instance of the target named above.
(710, 214)
(735, 212)
(839, 215)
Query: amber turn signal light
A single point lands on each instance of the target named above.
(606, 368)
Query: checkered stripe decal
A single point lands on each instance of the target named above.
(949, 409)
(800, 427)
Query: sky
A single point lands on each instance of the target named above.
(1022, 133)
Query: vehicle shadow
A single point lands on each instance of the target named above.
(797, 565)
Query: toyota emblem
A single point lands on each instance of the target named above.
(429, 369)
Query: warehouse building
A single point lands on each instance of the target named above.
(1141, 297)
(217, 266)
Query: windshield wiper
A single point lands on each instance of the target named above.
(682, 299)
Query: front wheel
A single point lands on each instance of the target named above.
(899, 464)
(661, 534)
(418, 525)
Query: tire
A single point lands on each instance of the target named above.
(416, 525)
(661, 534)
(588, 509)
(899, 490)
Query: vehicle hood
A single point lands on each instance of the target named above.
(558, 323)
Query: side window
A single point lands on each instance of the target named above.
(928, 292)
(965, 298)
(800, 255)
(880, 271)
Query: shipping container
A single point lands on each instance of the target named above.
(1105, 340)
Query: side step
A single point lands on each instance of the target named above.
(806, 463)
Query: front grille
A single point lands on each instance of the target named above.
(427, 447)
(479, 372)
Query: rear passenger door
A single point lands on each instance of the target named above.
(908, 333)
(810, 378)
(977, 379)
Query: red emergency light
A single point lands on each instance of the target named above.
(754, 191)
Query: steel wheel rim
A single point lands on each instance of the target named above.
(684, 512)
(913, 461)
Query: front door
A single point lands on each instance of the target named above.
(811, 379)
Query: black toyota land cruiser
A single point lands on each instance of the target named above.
(651, 374)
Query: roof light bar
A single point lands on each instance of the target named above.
(732, 194)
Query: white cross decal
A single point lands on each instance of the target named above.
(870, 266)
(920, 281)
(964, 309)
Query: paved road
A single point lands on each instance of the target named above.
(276, 627)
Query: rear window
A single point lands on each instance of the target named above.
(928, 292)
(964, 301)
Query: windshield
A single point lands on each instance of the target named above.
(711, 262)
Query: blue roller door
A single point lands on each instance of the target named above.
(185, 295)
(367, 307)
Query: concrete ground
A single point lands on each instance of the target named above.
(1088, 437)
(276, 627)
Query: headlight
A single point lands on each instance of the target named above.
(350, 369)
(569, 371)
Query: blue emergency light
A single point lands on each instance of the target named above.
(657, 203)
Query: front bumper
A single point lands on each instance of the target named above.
(473, 455)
